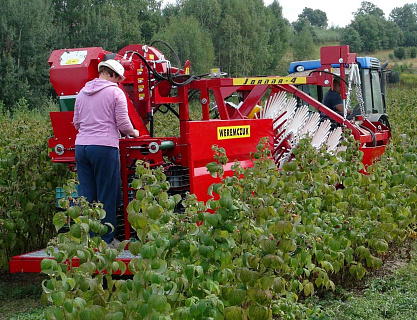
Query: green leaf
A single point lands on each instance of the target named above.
(58, 314)
(47, 286)
(212, 168)
(212, 219)
(226, 202)
(79, 302)
(122, 266)
(327, 266)
(289, 166)
(71, 282)
(363, 252)
(134, 206)
(98, 312)
(110, 254)
(76, 231)
(232, 313)
(201, 306)
(148, 251)
(308, 289)
(158, 302)
(217, 187)
(189, 272)
(155, 212)
(58, 298)
(59, 220)
(177, 198)
(285, 245)
(134, 247)
(283, 227)
(136, 184)
(46, 264)
(137, 220)
(68, 306)
(381, 246)
(115, 266)
(74, 212)
(85, 227)
(387, 227)
(335, 245)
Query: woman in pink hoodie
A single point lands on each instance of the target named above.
(100, 114)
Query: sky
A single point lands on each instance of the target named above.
(339, 13)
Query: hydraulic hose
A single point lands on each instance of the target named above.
(172, 51)
(371, 132)
(171, 78)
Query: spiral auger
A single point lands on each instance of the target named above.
(292, 123)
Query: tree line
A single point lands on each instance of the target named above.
(242, 37)
(370, 31)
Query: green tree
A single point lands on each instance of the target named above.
(170, 11)
(248, 37)
(68, 18)
(399, 53)
(208, 12)
(374, 30)
(406, 19)
(13, 82)
(229, 46)
(299, 24)
(27, 35)
(190, 41)
(107, 24)
(368, 28)
(279, 37)
(391, 35)
(368, 8)
(242, 37)
(149, 17)
(351, 37)
(316, 17)
(413, 52)
(303, 43)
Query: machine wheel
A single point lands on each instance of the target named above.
(384, 120)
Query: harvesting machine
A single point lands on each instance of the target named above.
(235, 113)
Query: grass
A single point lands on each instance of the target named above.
(390, 294)
(20, 297)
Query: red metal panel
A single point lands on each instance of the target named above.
(31, 262)
(62, 124)
(372, 154)
(203, 134)
(64, 134)
(333, 54)
(68, 76)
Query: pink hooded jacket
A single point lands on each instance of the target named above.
(100, 112)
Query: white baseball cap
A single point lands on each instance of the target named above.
(115, 65)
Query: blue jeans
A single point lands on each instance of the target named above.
(98, 169)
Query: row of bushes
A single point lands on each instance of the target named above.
(27, 181)
(408, 80)
(259, 246)
(403, 53)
